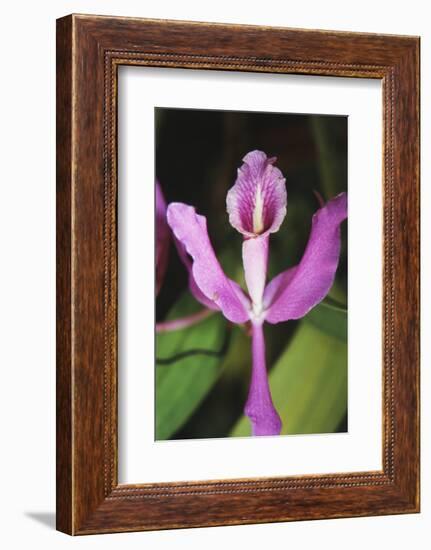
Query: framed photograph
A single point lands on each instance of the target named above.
(237, 274)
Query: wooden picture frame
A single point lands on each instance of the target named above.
(89, 51)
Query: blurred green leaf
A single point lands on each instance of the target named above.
(222, 406)
(181, 386)
(308, 384)
(330, 317)
(332, 157)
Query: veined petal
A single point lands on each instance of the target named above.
(276, 286)
(196, 291)
(294, 292)
(193, 287)
(162, 238)
(259, 407)
(191, 230)
(256, 204)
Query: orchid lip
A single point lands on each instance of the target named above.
(256, 204)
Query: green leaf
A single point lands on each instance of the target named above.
(332, 156)
(181, 386)
(308, 384)
(329, 317)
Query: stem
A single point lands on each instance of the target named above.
(183, 322)
(259, 407)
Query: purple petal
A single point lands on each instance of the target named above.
(162, 238)
(255, 261)
(276, 286)
(191, 230)
(293, 293)
(193, 287)
(196, 291)
(256, 204)
(259, 407)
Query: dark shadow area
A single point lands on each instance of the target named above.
(45, 518)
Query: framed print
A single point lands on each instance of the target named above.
(237, 274)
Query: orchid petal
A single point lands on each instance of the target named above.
(162, 238)
(276, 286)
(293, 293)
(259, 407)
(255, 261)
(196, 291)
(256, 204)
(193, 287)
(191, 230)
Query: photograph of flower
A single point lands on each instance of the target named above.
(250, 274)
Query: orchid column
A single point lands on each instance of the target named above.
(256, 205)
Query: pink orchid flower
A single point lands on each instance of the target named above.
(256, 205)
(162, 238)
